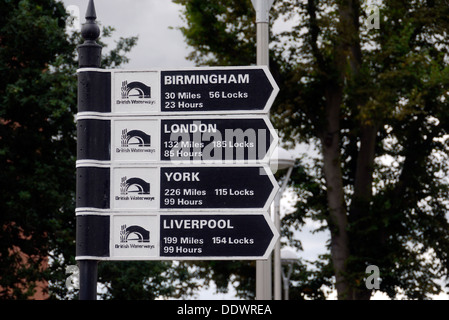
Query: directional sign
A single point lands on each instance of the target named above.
(164, 188)
(208, 90)
(215, 236)
(217, 188)
(217, 139)
(206, 138)
(152, 139)
(224, 236)
(250, 89)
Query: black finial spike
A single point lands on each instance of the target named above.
(90, 51)
(90, 30)
(90, 12)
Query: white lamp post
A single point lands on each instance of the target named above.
(289, 258)
(283, 161)
(262, 8)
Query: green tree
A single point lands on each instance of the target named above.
(373, 103)
(38, 102)
(36, 139)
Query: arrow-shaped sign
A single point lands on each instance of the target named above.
(226, 187)
(213, 139)
(216, 236)
(214, 89)
(183, 188)
(217, 139)
(204, 90)
(176, 235)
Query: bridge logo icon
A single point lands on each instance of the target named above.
(135, 138)
(134, 185)
(134, 234)
(135, 89)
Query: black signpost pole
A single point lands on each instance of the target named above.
(89, 57)
(88, 279)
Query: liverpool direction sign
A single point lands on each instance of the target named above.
(174, 235)
(215, 236)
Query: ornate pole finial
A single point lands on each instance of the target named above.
(90, 12)
(90, 51)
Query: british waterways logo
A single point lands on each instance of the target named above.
(135, 92)
(134, 234)
(135, 89)
(134, 189)
(135, 141)
(134, 237)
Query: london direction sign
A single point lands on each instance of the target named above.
(182, 188)
(177, 139)
(221, 90)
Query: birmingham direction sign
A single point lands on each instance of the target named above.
(211, 90)
(217, 89)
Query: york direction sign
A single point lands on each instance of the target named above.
(204, 90)
(167, 188)
(169, 236)
(217, 188)
(238, 138)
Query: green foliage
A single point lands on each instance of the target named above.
(139, 280)
(221, 31)
(36, 138)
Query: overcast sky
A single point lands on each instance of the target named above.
(158, 45)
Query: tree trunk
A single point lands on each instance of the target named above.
(362, 196)
(337, 220)
(347, 63)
